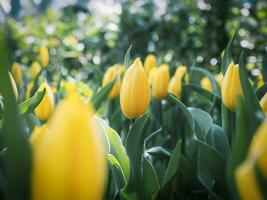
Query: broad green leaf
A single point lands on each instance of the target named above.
(127, 59)
(211, 170)
(135, 149)
(100, 96)
(217, 138)
(104, 135)
(227, 55)
(117, 172)
(173, 163)
(30, 104)
(202, 118)
(117, 149)
(184, 109)
(150, 181)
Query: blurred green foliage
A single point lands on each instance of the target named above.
(178, 32)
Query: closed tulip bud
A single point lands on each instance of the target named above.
(219, 79)
(44, 56)
(135, 91)
(206, 84)
(160, 81)
(260, 82)
(14, 86)
(150, 63)
(35, 69)
(29, 90)
(46, 107)
(246, 182)
(38, 135)
(70, 161)
(111, 73)
(263, 103)
(16, 72)
(257, 157)
(231, 87)
(175, 86)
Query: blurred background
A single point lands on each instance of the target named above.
(98, 32)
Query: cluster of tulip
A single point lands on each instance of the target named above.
(74, 150)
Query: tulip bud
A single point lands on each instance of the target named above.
(135, 91)
(29, 90)
(219, 79)
(36, 68)
(160, 81)
(246, 182)
(70, 161)
(14, 86)
(206, 84)
(263, 103)
(37, 136)
(231, 87)
(110, 74)
(16, 72)
(257, 157)
(46, 107)
(44, 56)
(150, 63)
(175, 86)
(260, 82)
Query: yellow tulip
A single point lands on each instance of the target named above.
(257, 156)
(38, 135)
(160, 81)
(14, 86)
(44, 56)
(150, 63)
(35, 69)
(206, 84)
(29, 89)
(110, 74)
(246, 182)
(219, 79)
(231, 87)
(46, 107)
(260, 82)
(70, 161)
(175, 86)
(263, 103)
(16, 72)
(135, 91)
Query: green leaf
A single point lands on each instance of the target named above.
(30, 104)
(117, 149)
(158, 152)
(150, 181)
(173, 164)
(127, 59)
(116, 170)
(249, 95)
(202, 118)
(184, 109)
(135, 148)
(17, 162)
(217, 138)
(100, 96)
(214, 83)
(227, 55)
(261, 91)
(211, 170)
(205, 93)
